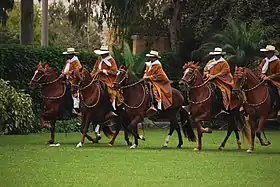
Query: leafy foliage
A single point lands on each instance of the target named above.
(241, 41)
(16, 114)
(17, 64)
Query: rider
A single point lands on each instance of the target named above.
(218, 70)
(71, 64)
(269, 69)
(105, 69)
(160, 83)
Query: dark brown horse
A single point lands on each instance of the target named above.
(205, 106)
(137, 101)
(57, 101)
(95, 104)
(258, 100)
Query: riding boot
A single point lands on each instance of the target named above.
(152, 110)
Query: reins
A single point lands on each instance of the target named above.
(189, 88)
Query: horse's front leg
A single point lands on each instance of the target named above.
(171, 130)
(200, 131)
(84, 130)
(175, 125)
(52, 130)
(132, 128)
(253, 134)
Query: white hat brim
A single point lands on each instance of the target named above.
(69, 53)
(150, 55)
(100, 52)
(266, 50)
(217, 53)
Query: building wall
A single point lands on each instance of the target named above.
(140, 43)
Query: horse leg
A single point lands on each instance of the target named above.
(262, 142)
(129, 143)
(229, 131)
(111, 143)
(253, 133)
(174, 123)
(237, 138)
(52, 129)
(199, 136)
(84, 129)
(132, 128)
(97, 133)
(171, 130)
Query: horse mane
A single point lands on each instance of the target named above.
(250, 72)
(132, 77)
(45, 66)
(191, 64)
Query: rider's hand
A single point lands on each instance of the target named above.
(105, 71)
(146, 77)
(264, 77)
(61, 76)
(210, 77)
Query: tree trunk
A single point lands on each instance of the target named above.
(175, 26)
(26, 25)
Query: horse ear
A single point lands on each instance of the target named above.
(81, 68)
(196, 64)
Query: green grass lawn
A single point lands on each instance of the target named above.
(27, 161)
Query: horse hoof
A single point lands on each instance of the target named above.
(55, 145)
(142, 138)
(221, 148)
(197, 149)
(133, 146)
(109, 144)
(249, 151)
(129, 143)
(179, 146)
(79, 145)
(50, 142)
(208, 130)
(165, 145)
(266, 143)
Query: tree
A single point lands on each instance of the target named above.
(241, 41)
(11, 32)
(64, 32)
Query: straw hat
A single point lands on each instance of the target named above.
(270, 48)
(70, 51)
(103, 50)
(153, 54)
(217, 51)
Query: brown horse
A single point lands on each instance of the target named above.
(258, 100)
(57, 99)
(95, 104)
(205, 106)
(137, 101)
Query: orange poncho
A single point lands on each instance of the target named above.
(69, 66)
(273, 70)
(161, 84)
(224, 79)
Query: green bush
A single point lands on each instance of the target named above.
(16, 114)
(17, 64)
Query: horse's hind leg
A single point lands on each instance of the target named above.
(129, 143)
(238, 142)
(175, 125)
(229, 131)
(111, 143)
(52, 130)
(262, 142)
(171, 130)
(84, 130)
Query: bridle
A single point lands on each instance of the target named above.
(48, 83)
(190, 80)
(78, 85)
(125, 77)
(241, 89)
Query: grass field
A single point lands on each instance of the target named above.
(27, 161)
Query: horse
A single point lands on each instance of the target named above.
(258, 101)
(95, 105)
(57, 100)
(137, 101)
(205, 106)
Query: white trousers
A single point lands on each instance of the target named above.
(76, 101)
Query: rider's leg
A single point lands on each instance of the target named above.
(152, 107)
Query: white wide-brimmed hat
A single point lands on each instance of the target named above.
(70, 51)
(270, 48)
(103, 50)
(217, 51)
(153, 54)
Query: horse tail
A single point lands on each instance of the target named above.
(186, 125)
(107, 130)
(244, 126)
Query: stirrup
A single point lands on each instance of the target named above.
(152, 110)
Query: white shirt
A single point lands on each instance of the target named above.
(266, 64)
(212, 64)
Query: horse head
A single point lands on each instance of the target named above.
(80, 77)
(190, 73)
(41, 75)
(240, 78)
(121, 76)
